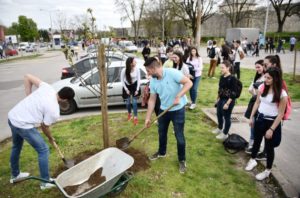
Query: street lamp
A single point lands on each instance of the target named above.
(49, 11)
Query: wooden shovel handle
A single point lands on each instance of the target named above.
(58, 150)
(160, 115)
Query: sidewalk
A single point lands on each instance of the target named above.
(286, 168)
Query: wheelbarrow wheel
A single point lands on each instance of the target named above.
(121, 184)
(118, 190)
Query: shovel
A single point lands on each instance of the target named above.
(123, 143)
(68, 163)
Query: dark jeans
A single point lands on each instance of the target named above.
(260, 128)
(194, 89)
(224, 115)
(178, 119)
(236, 69)
(157, 106)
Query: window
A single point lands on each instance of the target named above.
(143, 74)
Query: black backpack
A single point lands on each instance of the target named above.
(212, 52)
(191, 69)
(239, 88)
(235, 143)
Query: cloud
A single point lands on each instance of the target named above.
(41, 11)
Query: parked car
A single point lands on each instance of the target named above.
(31, 48)
(83, 85)
(128, 46)
(90, 61)
(23, 46)
(10, 51)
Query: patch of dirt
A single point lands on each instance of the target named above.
(95, 179)
(141, 161)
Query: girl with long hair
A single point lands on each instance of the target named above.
(130, 78)
(268, 112)
(196, 61)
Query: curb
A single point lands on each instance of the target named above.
(286, 186)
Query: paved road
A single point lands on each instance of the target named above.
(47, 67)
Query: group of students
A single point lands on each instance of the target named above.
(130, 76)
(269, 102)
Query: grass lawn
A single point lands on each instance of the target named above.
(212, 172)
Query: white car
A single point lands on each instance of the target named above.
(128, 46)
(86, 88)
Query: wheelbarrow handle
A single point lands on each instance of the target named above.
(159, 116)
(35, 178)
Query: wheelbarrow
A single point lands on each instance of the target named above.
(115, 164)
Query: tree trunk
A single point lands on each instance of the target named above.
(198, 25)
(280, 26)
(103, 98)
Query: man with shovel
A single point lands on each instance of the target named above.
(171, 86)
(39, 107)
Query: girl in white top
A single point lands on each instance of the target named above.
(130, 78)
(179, 64)
(270, 108)
(196, 61)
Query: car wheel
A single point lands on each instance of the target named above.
(68, 107)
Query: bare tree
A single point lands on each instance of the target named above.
(237, 10)
(61, 21)
(283, 10)
(132, 11)
(187, 10)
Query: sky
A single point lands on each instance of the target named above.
(39, 11)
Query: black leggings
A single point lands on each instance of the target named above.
(261, 126)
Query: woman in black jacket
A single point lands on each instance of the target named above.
(225, 101)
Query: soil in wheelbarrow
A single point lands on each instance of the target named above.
(95, 179)
(141, 160)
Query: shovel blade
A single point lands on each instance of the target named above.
(123, 143)
(69, 163)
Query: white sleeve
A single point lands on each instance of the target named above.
(123, 78)
(138, 78)
(283, 93)
(185, 70)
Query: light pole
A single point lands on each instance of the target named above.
(266, 21)
(51, 34)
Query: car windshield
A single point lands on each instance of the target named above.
(129, 44)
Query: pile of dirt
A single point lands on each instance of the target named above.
(95, 179)
(141, 161)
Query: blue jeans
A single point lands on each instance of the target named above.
(193, 90)
(134, 105)
(34, 138)
(178, 118)
(224, 115)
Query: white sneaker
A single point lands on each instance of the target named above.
(217, 131)
(263, 175)
(45, 186)
(251, 164)
(20, 177)
(193, 106)
(222, 136)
